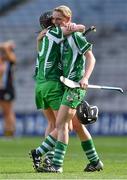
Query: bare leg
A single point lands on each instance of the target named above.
(9, 117)
(64, 117)
(87, 146)
(51, 118)
(65, 114)
(81, 130)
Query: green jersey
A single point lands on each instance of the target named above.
(49, 55)
(73, 59)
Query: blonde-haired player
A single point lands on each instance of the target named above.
(72, 58)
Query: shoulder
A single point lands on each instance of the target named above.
(78, 35)
(81, 42)
(55, 31)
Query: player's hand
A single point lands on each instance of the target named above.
(70, 126)
(83, 83)
(71, 26)
(9, 44)
(41, 35)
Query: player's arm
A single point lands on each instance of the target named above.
(85, 48)
(9, 51)
(72, 27)
(89, 66)
(58, 35)
(40, 37)
(65, 30)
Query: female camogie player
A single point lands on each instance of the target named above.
(71, 98)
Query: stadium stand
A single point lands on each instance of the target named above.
(8, 4)
(21, 25)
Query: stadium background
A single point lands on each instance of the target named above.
(19, 21)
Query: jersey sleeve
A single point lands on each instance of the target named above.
(82, 44)
(55, 34)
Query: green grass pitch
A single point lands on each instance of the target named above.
(16, 164)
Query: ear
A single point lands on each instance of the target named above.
(68, 19)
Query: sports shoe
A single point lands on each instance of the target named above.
(36, 159)
(52, 169)
(46, 162)
(97, 167)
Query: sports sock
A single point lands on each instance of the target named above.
(60, 150)
(9, 133)
(90, 151)
(50, 155)
(47, 145)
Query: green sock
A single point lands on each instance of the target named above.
(50, 154)
(47, 145)
(90, 151)
(60, 150)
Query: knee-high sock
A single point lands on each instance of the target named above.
(60, 150)
(90, 151)
(47, 145)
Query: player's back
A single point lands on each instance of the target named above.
(49, 56)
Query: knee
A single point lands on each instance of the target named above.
(76, 124)
(60, 126)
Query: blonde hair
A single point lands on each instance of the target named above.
(66, 12)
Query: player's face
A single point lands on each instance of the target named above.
(59, 19)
